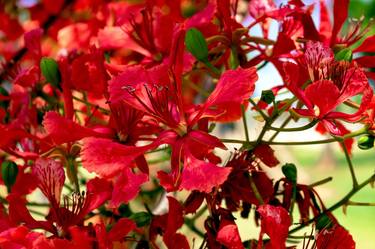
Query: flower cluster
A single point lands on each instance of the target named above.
(108, 110)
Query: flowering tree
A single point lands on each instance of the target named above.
(131, 92)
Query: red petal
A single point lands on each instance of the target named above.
(366, 61)
(121, 228)
(368, 45)
(75, 36)
(325, 27)
(175, 216)
(266, 154)
(51, 177)
(18, 237)
(177, 241)
(18, 213)
(202, 176)
(335, 238)
(32, 42)
(228, 235)
(64, 130)
(324, 94)
(10, 26)
(98, 190)
(88, 72)
(53, 6)
(116, 38)
(201, 18)
(340, 13)
(275, 222)
(284, 44)
(106, 157)
(233, 89)
(127, 187)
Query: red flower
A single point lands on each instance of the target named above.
(333, 83)
(50, 177)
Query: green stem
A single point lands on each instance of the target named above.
(190, 224)
(325, 180)
(200, 213)
(245, 123)
(350, 164)
(286, 121)
(103, 110)
(264, 116)
(212, 67)
(258, 196)
(302, 128)
(262, 65)
(157, 150)
(363, 204)
(330, 140)
(233, 141)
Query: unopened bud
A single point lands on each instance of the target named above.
(366, 142)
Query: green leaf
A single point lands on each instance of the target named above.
(141, 218)
(290, 172)
(196, 44)
(9, 172)
(345, 54)
(50, 71)
(366, 142)
(267, 96)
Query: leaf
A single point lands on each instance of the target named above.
(50, 70)
(196, 44)
(345, 54)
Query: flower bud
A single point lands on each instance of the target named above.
(50, 71)
(196, 44)
(9, 171)
(290, 172)
(267, 96)
(366, 142)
